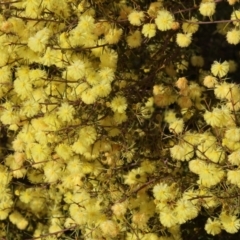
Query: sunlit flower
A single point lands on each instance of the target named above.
(164, 20)
(113, 35)
(136, 18)
(234, 157)
(233, 177)
(134, 39)
(235, 16)
(182, 152)
(149, 30)
(207, 8)
(163, 192)
(176, 126)
(213, 227)
(220, 69)
(119, 104)
(209, 81)
(233, 36)
(230, 223)
(191, 26)
(65, 112)
(168, 218)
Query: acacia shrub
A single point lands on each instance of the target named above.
(119, 119)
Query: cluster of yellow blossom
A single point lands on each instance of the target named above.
(105, 132)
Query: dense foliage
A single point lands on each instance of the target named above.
(119, 119)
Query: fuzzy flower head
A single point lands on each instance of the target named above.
(65, 112)
(185, 210)
(113, 36)
(176, 126)
(218, 117)
(163, 95)
(164, 20)
(234, 157)
(233, 134)
(75, 71)
(209, 81)
(233, 176)
(168, 218)
(233, 36)
(170, 116)
(64, 151)
(164, 192)
(154, 8)
(235, 16)
(184, 102)
(38, 42)
(210, 175)
(136, 18)
(86, 23)
(191, 26)
(109, 228)
(207, 9)
(182, 152)
(89, 96)
(227, 91)
(119, 104)
(184, 40)
(230, 223)
(134, 39)
(119, 209)
(195, 165)
(149, 30)
(220, 69)
(213, 226)
(88, 134)
(106, 74)
(102, 90)
(182, 83)
(109, 59)
(135, 176)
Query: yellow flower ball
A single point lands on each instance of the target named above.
(233, 176)
(184, 40)
(136, 18)
(207, 9)
(113, 35)
(191, 26)
(209, 81)
(234, 157)
(230, 223)
(220, 69)
(235, 16)
(119, 104)
(164, 20)
(149, 30)
(176, 126)
(233, 36)
(109, 228)
(213, 227)
(88, 134)
(168, 218)
(65, 112)
(135, 39)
